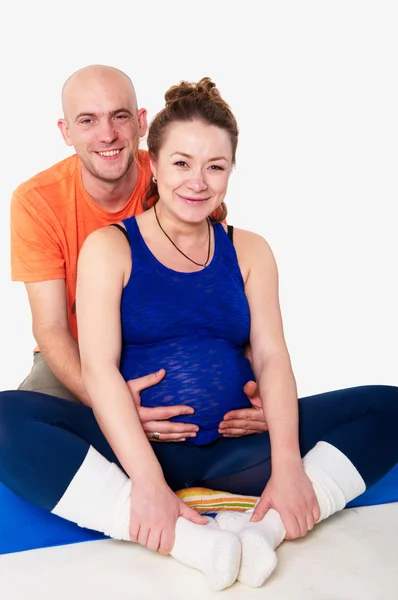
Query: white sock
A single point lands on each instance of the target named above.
(99, 496)
(207, 548)
(336, 482)
(258, 541)
(335, 479)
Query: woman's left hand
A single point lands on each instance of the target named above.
(290, 492)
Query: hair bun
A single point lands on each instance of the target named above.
(205, 88)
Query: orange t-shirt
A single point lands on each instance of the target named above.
(51, 216)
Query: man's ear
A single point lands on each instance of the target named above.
(64, 129)
(142, 122)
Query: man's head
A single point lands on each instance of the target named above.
(102, 121)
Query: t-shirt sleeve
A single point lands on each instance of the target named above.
(36, 251)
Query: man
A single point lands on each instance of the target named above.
(54, 212)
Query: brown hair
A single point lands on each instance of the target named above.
(187, 102)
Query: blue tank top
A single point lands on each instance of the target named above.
(195, 326)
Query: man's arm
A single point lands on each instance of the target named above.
(51, 331)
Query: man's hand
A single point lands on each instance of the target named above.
(245, 421)
(157, 419)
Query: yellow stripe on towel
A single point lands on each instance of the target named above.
(204, 500)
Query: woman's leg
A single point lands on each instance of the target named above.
(53, 453)
(46, 444)
(360, 422)
(349, 441)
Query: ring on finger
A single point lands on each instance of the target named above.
(156, 435)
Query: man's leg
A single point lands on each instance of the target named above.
(42, 379)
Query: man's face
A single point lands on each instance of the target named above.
(103, 125)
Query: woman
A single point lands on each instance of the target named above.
(171, 290)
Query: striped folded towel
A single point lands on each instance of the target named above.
(210, 502)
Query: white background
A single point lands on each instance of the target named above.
(314, 88)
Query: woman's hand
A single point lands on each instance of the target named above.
(154, 511)
(290, 492)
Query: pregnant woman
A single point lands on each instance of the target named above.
(175, 289)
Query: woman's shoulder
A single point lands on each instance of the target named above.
(253, 251)
(249, 240)
(108, 241)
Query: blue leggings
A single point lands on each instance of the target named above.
(44, 440)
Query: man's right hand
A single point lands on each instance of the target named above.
(157, 419)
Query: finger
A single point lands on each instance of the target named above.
(316, 513)
(244, 414)
(170, 437)
(161, 413)
(302, 523)
(141, 383)
(163, 441)
(143, 536)
(167, 427)
(153, 541)
(252, 392)
(237, 433)
(260, 510)
(310, 522)
(134, 530)
(191, 515)
(166, 542)
(242, 426)
(292, 527)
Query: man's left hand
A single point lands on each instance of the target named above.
(245, 421)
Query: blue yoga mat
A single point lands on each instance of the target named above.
(24, 526)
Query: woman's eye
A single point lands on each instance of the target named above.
(181, 163)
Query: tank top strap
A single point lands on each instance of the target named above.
(223, 241)
(138, 247)
(131, 227)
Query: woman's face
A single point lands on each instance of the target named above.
(193, 169)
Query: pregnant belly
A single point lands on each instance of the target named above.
(205, 374)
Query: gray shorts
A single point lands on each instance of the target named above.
(42, 379)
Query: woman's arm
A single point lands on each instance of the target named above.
(271, 360)
(104, 263)
(103, 269)
(289, 490)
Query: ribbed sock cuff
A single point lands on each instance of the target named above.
(338, 466)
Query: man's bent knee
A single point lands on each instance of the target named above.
(42, 379)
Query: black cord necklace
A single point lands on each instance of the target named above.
(177, 248)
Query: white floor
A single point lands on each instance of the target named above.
(353, 556)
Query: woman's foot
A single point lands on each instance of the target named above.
(209, 549)
(258, 541)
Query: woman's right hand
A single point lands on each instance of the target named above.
(154, 511)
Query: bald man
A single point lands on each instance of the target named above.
(52, 214)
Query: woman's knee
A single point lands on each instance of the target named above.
(17, 407)
(12, 419)
(385, 399)
(11, 406)
(369, 398)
